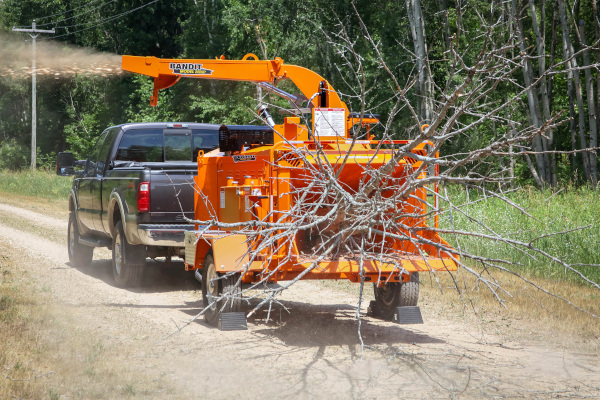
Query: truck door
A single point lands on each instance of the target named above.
(86, 209)
(100, 213)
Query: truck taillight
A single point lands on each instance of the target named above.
(143, 197)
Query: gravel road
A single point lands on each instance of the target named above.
(313, 352)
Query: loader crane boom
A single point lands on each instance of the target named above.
(167, 72)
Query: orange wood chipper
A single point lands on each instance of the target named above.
(246, 189)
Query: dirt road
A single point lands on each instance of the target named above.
(313, 352)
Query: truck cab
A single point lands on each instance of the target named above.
(134, 193)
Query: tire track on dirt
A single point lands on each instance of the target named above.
(41, 219)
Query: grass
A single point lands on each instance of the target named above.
(18, 341)
(568, 212)
(39, 183)
(526, 313)
(46, 353)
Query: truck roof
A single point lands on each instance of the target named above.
(184, 125)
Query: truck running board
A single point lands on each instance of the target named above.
(95, 242)
(233, 321)
(408, 315)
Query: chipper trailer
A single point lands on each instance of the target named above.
(249, 191)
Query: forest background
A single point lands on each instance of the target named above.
(558, 41)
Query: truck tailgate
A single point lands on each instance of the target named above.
(171, 193)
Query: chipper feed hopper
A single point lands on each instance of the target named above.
(253, 189)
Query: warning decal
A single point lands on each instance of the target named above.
(330, 122)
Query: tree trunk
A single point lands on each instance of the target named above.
(552, 52)
(532, 94)
(548, 144)
(589, 89)
(573, 76)
(597, 29)
(446, 24)
(424, 84)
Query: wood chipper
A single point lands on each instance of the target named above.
(252, 189)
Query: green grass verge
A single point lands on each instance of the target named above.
(41, 184)
(566, 211)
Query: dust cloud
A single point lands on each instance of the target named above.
(53, 59)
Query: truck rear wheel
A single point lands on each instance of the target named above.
(389, 296)
(80, 256)
(127, 260)
(214, 286)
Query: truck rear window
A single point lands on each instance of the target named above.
(159, 145)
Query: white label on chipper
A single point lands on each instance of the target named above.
(330, 122)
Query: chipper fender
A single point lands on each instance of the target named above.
(221, 289)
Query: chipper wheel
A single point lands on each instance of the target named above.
(389, 296)
(215, 285)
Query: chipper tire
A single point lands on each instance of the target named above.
(390, 296)
(215, 285)
(127, 260)
(80, 256)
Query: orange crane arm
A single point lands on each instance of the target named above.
(167, 72)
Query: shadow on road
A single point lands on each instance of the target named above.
(309, 325)
(157, 276)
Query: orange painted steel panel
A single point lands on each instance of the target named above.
(247, 70)
(410, 264)
(230, 252)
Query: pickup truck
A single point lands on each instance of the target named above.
(133, 194)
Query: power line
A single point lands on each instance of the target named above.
(64, 12)
(102, 21)
(75, 16)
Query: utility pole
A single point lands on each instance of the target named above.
(33, 33)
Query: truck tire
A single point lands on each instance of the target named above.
(215, 285)
(390, 296)
(80, 256)
(127, 260)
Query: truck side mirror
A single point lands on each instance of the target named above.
(65, 164)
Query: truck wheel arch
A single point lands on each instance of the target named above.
(72, 201)
(115, 213)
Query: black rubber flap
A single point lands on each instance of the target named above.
(233, 321)
(408, 315)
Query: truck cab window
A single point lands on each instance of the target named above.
(178, 147)
(141, 145)
(90, 169)
(205, 140)
(104, 150)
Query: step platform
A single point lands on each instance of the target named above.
(233, 321)
(408, 315)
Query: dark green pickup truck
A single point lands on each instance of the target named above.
(134, 194)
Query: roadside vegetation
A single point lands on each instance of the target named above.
(39, 183)
(573, 210)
